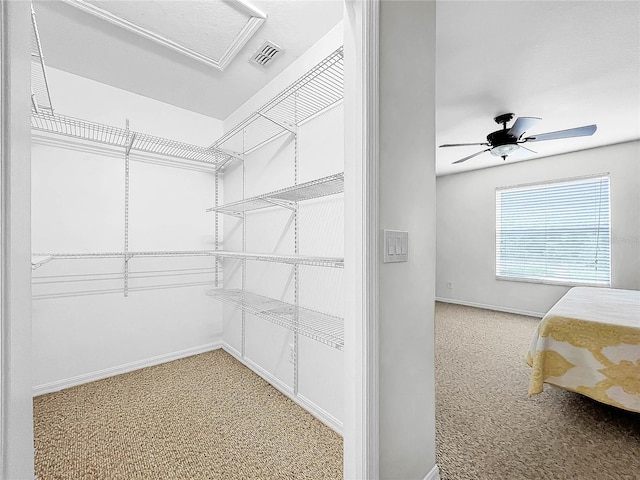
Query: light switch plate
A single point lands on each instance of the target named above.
(396, 246)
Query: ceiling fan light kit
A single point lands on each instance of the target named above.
(503, 143)
(504, 150)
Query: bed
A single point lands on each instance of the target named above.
(589, 343)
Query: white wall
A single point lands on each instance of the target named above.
(80, 97)
(466, 227)
(407, 202)
(83, 326)
(321, 233)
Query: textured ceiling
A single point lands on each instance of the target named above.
(570, 63)
(84, 44)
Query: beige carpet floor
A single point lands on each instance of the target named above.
(203, 417)
(489, 428)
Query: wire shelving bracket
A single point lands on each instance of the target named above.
(38, 260)
(40, 96)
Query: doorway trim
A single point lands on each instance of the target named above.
(16, 399)
(361, 40)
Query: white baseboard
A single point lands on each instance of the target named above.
(434, 474)
(117, 370)
(321, 414)
(490, 307)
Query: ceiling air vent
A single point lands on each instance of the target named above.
(266, 53)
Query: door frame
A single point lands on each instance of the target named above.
(361, 432)
(16, 399)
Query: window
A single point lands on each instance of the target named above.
(555, 232)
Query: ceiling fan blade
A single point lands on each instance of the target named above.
(522, 124)
(470, 156)
(461, 144)
(572, 132)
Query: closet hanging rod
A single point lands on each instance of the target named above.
(121, 137)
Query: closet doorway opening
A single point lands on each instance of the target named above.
(175, 231)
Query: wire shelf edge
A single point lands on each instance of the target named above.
(321, 187)
(322, 327)
(124, 138)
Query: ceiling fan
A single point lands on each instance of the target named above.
(504, 142)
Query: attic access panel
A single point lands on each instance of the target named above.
(184, 26)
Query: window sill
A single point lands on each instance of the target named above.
(559, 283)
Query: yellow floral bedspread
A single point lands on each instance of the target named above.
(589, 343)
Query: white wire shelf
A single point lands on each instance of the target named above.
(287, 197)
(39, 259)
(44, 119)
(124, 138)
(185, 253)
(334, 262)
(317, 90)
(324, 328)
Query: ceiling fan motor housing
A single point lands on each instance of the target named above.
(500, 137)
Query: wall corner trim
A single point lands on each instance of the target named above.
(125, 368)
(434, 474)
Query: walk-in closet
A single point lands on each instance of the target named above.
(198, 199)
(169, 245)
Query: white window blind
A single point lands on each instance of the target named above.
(555, 232)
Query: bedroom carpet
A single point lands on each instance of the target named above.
(202, 417)
(489, 428)
(208, 417)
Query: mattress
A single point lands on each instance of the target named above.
(589, 343)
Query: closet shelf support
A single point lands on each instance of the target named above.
(282, 203)
(284, 125)
(232, 154)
